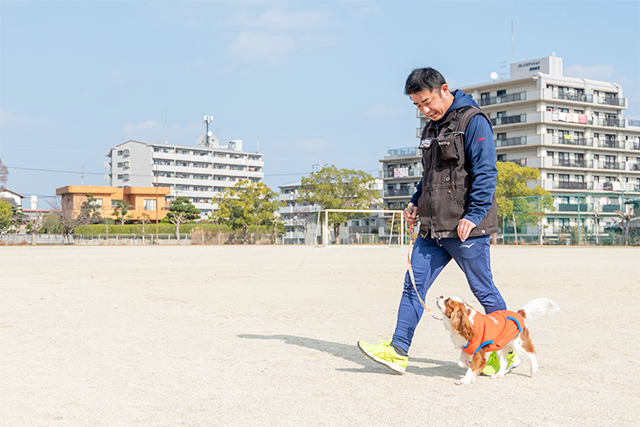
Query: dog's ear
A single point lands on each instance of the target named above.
(461, 324)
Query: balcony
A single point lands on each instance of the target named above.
(572, 207)
(570, 185)
(401, 173)
(634, 146)
(567, 96)
(512, 97)
(633, 123)
(571, 140)
(602, 143)
(610, 122)
(400, 192)
(516, 140)
(407, 151)
(611, 100)
(577, 163)
(612, 165)
(508, 120)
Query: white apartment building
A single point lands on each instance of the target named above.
(199, 173)
(300, 219)
(570, 128)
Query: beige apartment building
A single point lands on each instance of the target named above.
(572, 129)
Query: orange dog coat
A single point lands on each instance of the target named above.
(494, 330)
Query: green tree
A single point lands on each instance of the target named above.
(90, 211)
(335, 188)
(120, 211)
(51, 224)
(6, 215)
(516, 200)
(246, 204)
(180, 212)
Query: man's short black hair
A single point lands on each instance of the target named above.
(422, 79)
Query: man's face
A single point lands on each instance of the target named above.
(433, 103)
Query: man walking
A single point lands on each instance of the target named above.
(456, 205)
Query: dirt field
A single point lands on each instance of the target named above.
(265, 335)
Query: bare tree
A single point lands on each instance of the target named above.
(144, 220)
(63, 209)
(624, 223)
(4, 173)
(35, 223)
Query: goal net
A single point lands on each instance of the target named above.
(360, 227)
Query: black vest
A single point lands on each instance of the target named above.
(446, 181)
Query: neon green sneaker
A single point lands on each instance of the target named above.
(385, 354)
(493, 364)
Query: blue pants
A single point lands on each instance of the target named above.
(428, 259)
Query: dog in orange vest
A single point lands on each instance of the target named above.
(477, 334)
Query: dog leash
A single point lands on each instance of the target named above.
(413, 280)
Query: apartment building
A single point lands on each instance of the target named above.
(299, 218)
(199, 173)
(571, 129)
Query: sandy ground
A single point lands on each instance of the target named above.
(265, 335)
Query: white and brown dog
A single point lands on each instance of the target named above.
(478, 334)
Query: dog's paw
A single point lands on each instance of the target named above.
(464, 380)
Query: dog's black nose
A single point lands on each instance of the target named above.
(441, 296)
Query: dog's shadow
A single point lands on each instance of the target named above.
(351, 353)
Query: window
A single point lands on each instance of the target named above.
(596, 157)
(579, 178)
(563, 110)
(550, 176)
(502, 157)
(550, 153)
(550, 131)
(149, 204)
(596, 178)
(120, 164)
(563, 177)
(98, 202)
(501, 93)
(501, 136)
(549, 86)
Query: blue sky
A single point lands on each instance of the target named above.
(313, 81)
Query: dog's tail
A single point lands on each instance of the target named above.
(539, 307)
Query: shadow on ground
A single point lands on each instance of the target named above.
(352, 354)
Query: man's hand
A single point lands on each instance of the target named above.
(410, 213)
(464, 228)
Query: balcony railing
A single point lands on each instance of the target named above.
(503, 98)
(572, 96)
(572, 140)
(611, 100)
(400, 173)
(612, 165)
(634, 123)
(407, 151)
(634, 146)
(400, 192)
(516, 140)
(634, 166)
(518, 118)
(611, 122)
(577, 163)
(603, 143)
(570, 185)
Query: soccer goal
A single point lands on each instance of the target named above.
(394, 235)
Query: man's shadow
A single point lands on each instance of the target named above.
(352, 354)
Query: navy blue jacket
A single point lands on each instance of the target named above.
(481, 153)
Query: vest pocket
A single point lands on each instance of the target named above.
(448, 149)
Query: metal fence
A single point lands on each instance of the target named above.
(137, 240)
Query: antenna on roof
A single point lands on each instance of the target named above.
(165, 125)
(512, 41)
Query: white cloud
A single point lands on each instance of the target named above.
(382, 111)
(303, 145)
(593, 72)
(8, 120)
(263, 47)
(276, 20)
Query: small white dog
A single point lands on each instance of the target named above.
(478, 334)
